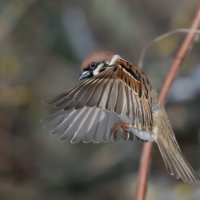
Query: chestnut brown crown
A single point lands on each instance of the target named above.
(100, 56)
(96, 63)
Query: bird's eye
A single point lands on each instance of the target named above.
(93, 65)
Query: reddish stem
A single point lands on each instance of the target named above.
(147, 148)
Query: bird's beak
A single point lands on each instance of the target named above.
(85, 74)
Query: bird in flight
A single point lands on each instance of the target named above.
(116, 102)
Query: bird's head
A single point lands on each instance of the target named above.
(97, 62)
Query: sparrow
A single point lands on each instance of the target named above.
(117, 102)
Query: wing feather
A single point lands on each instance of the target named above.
(89, 136)
(90, 110)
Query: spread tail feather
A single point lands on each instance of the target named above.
(175, 162)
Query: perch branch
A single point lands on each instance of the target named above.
(147, 149)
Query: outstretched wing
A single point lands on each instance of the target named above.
(121, 93)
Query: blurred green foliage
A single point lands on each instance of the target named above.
(42, 44)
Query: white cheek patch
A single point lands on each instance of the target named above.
(100, 66)
(97, 70)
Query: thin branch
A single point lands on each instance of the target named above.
(161, 37)
(147, 149)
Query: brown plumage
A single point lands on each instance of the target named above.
(117, 102)
(96, 57)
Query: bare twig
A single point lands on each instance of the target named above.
(161, 37)
(147, 149)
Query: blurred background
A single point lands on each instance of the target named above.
(42, 45)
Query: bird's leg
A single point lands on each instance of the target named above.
(120, 131)
(120, 126)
